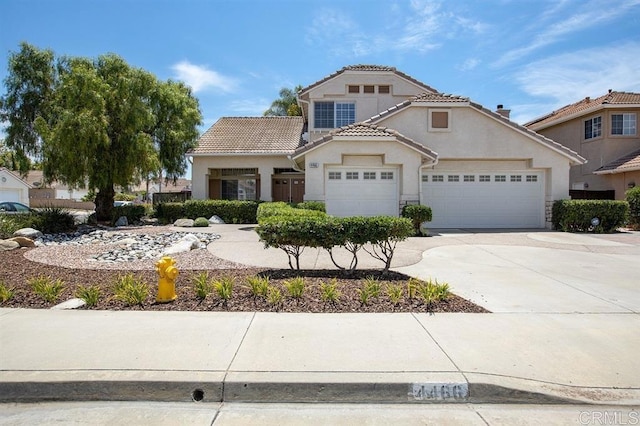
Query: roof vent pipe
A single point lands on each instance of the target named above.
(503, 112)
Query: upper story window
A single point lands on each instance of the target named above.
(368, 89)
(384, 89)
(623, 124)
(329, 115)
(354, 89)
(593, 128)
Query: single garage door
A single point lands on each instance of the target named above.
(10, 195)
(361, 192)
(484, 200)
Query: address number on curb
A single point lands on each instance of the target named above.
(439, 391)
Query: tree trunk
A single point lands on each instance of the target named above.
(104, 203)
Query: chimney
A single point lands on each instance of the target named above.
(503, 112)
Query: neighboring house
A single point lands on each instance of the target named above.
(12, 188)
(376, 140)
(603, 130)
(52, 191)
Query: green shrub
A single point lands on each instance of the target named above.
(417, 213)
(295, 287)
(633, 198)
(259, 286)
(230, 211)
(169, 212)
(130, 290)
(577, 215)
(45, 287)
(201, 222)
(224, 289)
(373, 287)
(133, 212)
(283, 211)
(395, 293)
(202, 285)
(90, 295)
(6, 293)
(384, 233)
(329, 292)
(312, 205)
(274, 296)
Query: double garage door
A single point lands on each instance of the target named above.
(485, 200)
(362, 191)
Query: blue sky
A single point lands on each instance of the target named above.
(532, 56)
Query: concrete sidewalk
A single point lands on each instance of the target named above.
(564, 330)
(275, 357)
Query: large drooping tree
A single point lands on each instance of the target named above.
(286, 104)
(99, 123)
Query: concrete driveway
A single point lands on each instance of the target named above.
(537, 271)
(503, 270)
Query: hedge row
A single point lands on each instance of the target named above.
(231, 211)
(580, 215)
(292, 230)
(633, 198)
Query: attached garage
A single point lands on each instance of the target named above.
(362, 191)
(504, 199)
(12, 188)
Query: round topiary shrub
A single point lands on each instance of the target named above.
(201, 222)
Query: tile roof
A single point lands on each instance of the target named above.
(586, 106)
(422, 98)
(363, 67)
(445, 98)
(366, 130)
(626, 163)
(242, 135)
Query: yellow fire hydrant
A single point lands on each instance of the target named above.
(167, 281)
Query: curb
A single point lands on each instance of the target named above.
(30, 387)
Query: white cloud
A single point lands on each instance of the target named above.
(589, 15)
(420, 27)
(470, 64)
(249, 107)
(564, 79)
(201, 78)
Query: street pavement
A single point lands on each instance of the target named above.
(564, 330)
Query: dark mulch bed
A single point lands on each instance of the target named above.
(16, 271)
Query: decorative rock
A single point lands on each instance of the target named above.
(127, 241)
(149, 221)
(28, 232)
(184, 223)
(70, 304)
(122, 221)
(186, 243)
(215, 220)
(8, 245)
(23, 241)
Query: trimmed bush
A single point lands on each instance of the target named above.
(283, 211)
(576, 215)
(170, 212)
(231, 211)
(312, 205)
(133, 212)
(633, 198)
(201, 222)
(417, 213)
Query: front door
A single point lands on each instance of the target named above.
(288, 188)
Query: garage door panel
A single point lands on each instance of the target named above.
(360, 196)
(501, 200)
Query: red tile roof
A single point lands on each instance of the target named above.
(366, 130)
(260, 135)
(584, 107)
(362, 67)
(626, 163)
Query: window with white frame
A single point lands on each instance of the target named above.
(437, 178)
(425, 178)
(516, 178)
(485, 178)
(453, 178)
(353, 175)
(335, 175)
(469, 178)
(330, 115)
(532, 178)
(593, 128)
(623, 124)
(500, 178)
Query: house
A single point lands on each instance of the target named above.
(373, 139)
(52, 191)
(603, 130)
(12, 188)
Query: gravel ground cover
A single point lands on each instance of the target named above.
(75, 265)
